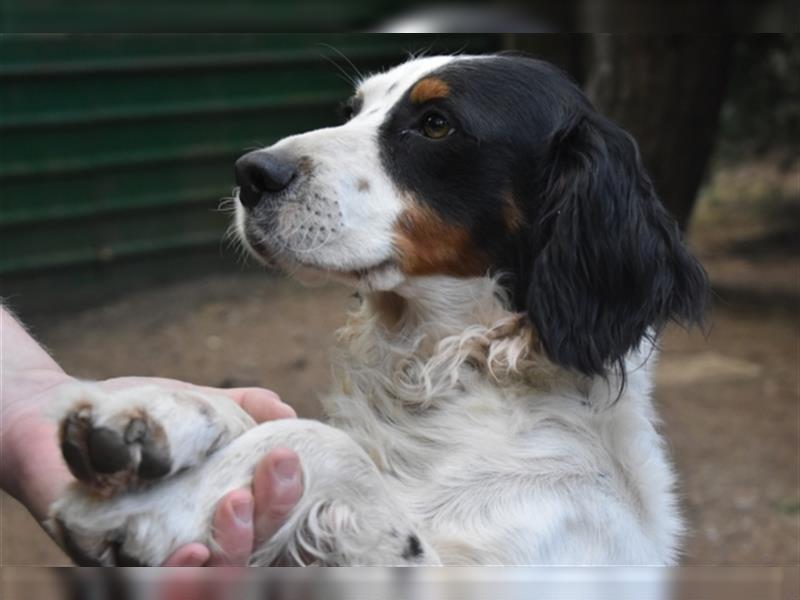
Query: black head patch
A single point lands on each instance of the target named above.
(528, 182)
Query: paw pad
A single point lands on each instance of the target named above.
(114, 455)
(108, 452)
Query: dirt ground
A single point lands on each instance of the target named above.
(729, 401)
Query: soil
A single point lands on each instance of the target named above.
(729, 399)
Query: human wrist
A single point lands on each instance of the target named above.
(30, 466)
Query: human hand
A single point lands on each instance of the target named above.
(245, 518)
(33, 470)
(35, 473)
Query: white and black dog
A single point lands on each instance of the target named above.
(492, 397)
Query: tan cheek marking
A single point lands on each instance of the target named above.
(429, 88)
(426, 245)
(512, 215)
(363, 185)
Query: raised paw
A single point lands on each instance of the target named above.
(127, 529)
(91, 551)
(115, 455)
(115, 441)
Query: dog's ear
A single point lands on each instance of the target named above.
(608, 265)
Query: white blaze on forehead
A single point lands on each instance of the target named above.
(383, 90)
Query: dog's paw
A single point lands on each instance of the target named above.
(121, 440)
(134, 529)
(88, 549)
(116, 454)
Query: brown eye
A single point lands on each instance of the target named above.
(436, 127)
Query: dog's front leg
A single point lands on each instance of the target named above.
(347, 516)
(117, 514)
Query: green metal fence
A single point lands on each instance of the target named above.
(115, 151)
(151, 16)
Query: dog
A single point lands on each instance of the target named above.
(492, 401)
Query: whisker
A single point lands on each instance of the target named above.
(343, 74)
(349, 62)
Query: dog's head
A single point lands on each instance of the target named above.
(474, 166)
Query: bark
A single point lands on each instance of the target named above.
(667, 92)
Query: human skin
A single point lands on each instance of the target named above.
(33, 471)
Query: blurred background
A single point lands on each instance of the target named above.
(411, 16)
(116, 150)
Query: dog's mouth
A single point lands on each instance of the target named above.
(259, 246)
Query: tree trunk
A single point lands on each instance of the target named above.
(667, 92)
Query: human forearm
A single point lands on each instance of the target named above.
(27, 376)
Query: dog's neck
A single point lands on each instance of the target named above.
(441, 306)
(426, 339)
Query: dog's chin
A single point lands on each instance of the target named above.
(380, 275)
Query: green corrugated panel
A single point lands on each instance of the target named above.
(121, 16)
(123, 146)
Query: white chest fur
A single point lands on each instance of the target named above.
(499, 456)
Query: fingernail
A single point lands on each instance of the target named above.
(243, 511)
(286, 470)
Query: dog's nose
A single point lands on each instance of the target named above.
(259, 173)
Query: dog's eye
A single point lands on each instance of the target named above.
(435, 126)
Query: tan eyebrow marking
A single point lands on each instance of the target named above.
(429, 88)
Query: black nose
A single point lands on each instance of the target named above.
(259, 173)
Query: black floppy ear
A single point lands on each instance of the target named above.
(609, 265)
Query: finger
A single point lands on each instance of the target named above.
(277, 487)
(190, 555)
(233, 529)
(262, 405)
